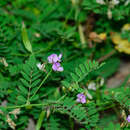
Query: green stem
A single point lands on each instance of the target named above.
(116, 111)
(41, 84)
(105, 108)
(67, 18)
(71, 123)
(32, 105)
(25, 105)
(98, 94)
(61, 98)
(80, 28)
(35, 105)
(81, 34)
(51, 44)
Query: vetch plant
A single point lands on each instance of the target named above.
(70, 93)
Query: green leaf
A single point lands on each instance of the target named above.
(82, 67)
(21, 98)
(25, 76)
(78, 72)
(23, 90)
(34, 98)
(35, 83)
(40, 120)
(87, 67)
(65, 83)
(74, 77)
(25, 83)
(26, 41)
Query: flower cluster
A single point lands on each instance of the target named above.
(81, 98)
(54, 59)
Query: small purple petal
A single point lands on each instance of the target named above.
(128, 118)
(83, 100)
(60, 69)
(57, 67)
(78, 100)
(54, 67)
(60, 56)
(79, 95)
(53, 58)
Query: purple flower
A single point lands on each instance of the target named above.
(81, 98)
(128, 118)
(57, 67)
(53, 58)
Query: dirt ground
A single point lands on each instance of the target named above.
(120, 75)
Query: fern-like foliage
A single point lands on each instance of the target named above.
(28, 83)
(5, 52)
(80, 73)
(6, 37)
(6, 31)
(52, 124)
(82, 115)
(122, 96)
(3, 89)
(68, 106)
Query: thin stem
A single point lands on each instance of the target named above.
(29, 89)
(43, 104)
(105, 108)
(61, 98)
(80, 28)
(106, 56)
(42, 115)
(98, 94)
(81, 33)
(46, 49)
(25, 105)
(41, 84)
(22, 55)
(116, 111)
(73, 2)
